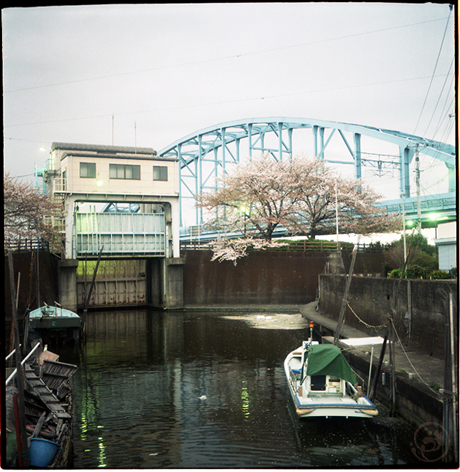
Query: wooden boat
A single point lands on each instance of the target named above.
(54, 324)
(322, 383)
(48, 405)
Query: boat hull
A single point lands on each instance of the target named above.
(54, 324)
(314, 404)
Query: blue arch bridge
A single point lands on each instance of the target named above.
(206, 153)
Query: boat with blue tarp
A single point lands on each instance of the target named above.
(322, 383)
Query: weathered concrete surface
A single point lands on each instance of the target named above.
(418, 399)
(23, 263)
(372, 300)
(264, 277)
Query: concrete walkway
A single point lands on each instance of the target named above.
(423, 368)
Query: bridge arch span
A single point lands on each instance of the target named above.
(203, 154)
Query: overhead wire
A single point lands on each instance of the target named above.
(232, 56)
(434, 72)
(217, 103)
(439, 98)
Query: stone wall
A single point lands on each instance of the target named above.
(374, 299)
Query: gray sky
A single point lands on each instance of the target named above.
(168, 70)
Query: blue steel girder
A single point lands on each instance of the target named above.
(193, 149)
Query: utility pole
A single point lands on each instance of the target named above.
(417, 184)
(404, 228)
(337, 216)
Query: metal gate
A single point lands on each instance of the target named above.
(119, 282)
(121, 234)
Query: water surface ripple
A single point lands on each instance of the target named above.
(198, 390)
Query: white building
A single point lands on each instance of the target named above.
(81, 173)
(446, 241)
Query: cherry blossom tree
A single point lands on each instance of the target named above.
(27, 213)
(302, 195)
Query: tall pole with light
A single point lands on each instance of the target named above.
(404, 228)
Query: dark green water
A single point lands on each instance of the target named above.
(195, 390)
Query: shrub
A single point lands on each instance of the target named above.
(416, 272)
(395, 273)
(440, 274)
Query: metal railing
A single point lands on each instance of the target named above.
(295, 246)
(17, 245)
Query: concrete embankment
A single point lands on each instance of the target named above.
(419, 378)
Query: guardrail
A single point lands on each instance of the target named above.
(296, 246)
(25, 245)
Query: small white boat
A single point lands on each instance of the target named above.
(54, 323)
(322, 383)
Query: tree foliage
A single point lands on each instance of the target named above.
(26, 211)
(421, 257)
(301, 194)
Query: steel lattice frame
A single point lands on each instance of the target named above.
(206, 153)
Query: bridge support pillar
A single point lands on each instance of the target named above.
(67, 283)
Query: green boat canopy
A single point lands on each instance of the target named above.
(327, 359)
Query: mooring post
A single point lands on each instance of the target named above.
(393, 368)
(345, 296)
(85, 309)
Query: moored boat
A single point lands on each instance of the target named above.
(48, 403)
(54, 324)
(322, 384)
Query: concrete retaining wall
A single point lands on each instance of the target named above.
(373, 300)
(264, 277)
(27, 284)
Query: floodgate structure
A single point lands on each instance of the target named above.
(132, 205)
(120, 204)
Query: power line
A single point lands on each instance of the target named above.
(433, 75)
(217, 103)
(439, 98)
(204, 61)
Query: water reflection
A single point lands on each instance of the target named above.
(189, 390)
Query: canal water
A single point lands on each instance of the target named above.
(203, 390)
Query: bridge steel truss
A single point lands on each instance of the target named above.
(207, 153)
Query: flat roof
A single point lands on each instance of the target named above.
(102, 148)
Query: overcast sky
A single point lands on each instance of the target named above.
(164, 71)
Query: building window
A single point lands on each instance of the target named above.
(122, 171)
(160, 173)
(87, 170)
